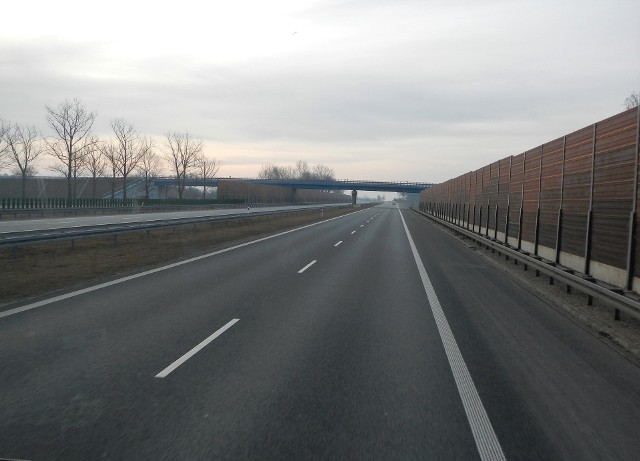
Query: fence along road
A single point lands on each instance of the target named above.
(243, 354)
(573, 201)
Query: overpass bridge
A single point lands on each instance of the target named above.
(338, 184)
(317, 184)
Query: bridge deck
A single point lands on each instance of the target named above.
(344, 184)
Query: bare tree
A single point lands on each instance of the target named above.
(130, 149)
(322, 172)
(633, 100)
(149, 166)
(207, 168)
(109, 152)
(71, 123)
(302, 171)
(24, 149)
(5, 160)
(270, 171)
(94, 162)
(182, 152)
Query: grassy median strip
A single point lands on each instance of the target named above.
(38, 269)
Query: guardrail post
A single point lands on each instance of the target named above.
(631, 242)
(473, 226)
(537, 228)
(559, 224)
(587, 239)
(506, 225)
(520, 229)
(524, 175)
(486, 231)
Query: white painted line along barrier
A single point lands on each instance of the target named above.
(487, 443)
(195, 350)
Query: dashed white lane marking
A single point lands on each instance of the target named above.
(361, 225)
(353, 232)
(307, 266)
(195, 350)
(338, 244)
(487, 442)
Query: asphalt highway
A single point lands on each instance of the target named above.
(370, 336)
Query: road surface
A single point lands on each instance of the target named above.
(342, 340)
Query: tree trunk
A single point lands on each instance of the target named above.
(124, 189)
(69, 183)
(180, 188)
(24, 184)
(94, 186)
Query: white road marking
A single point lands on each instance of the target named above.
(307, 266)
(195, 350)
(361, 225)
(353, 232)
(337, 244)
(486, 440)
(73, 294)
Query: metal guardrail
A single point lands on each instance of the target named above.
(15, 239)
(18, 213)
(613, 297)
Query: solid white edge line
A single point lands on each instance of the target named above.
(337, 244)
(195, 350)
(485, 437)
(307, 266)
(73, 294)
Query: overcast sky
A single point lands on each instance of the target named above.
(384, 90)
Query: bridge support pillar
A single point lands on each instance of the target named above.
(354, 195)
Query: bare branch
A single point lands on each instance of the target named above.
(181, 152)
(24, 148)
(71, 123)
(5, 160)
(109, 151)
(207, 168)
(93, 161)
(131, 148)
(633, 100)
(149, 165)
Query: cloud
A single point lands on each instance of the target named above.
(409, 89)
